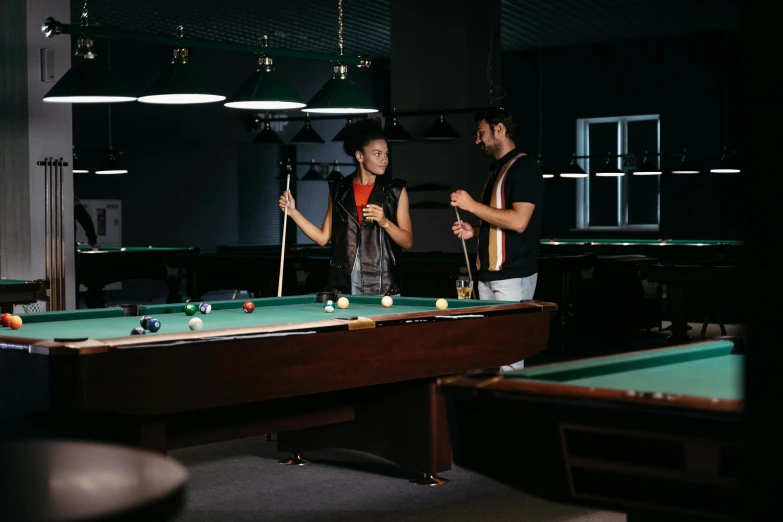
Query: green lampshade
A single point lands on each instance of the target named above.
(265, 90)
(89, 82)
(181, 84)
(441, 130)
(340, 96)
(307, 134)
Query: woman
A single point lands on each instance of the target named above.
(367, 219)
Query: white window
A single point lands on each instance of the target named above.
(623, 202)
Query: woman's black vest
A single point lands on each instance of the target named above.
(379, 255)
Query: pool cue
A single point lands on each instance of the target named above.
(282, 251)
(464, 248)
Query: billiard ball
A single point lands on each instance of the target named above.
(191, 309)
(329, 306)
(205, 307)
(143, 321)
(196, 324)
(387, 301)
(5, 318)
(343, 302)
(248, 307)
(15, 322)
(441, 304)
(153, 325)
(138, 331)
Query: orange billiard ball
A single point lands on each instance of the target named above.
(15, 322)
(248, 307)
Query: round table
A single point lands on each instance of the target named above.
(53, 480)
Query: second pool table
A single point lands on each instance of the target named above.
(364, 377)
(656, 434)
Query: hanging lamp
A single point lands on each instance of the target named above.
(648, 167)
(180, 83)
(89, 81)
(335, 175)
(573, 170)
(266, 89)
(610, 170)
(312, 174)
(339, 95)
(267, 136)
(394, 131)
(344, 132)
(441, 130)
(111, 165)
(686, 166)
(307, 134)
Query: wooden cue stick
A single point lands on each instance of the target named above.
(282, 251)
(464, 248)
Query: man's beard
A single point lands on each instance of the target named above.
(488, 150)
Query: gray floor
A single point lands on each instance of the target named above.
(243, 481)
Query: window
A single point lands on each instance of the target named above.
(624, 202)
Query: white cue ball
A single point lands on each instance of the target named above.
(441, 304)
(387, 301)
(343, 302)
(196, 324)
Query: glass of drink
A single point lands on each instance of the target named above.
(464, 289)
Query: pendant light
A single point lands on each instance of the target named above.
(344, 132)
(265, 89)
(441, 130)
(545, 172)
(307, 133)
(111, 165)
(648, 167)
(180, 83)
(394, 131)
(88, 81)
(573, 170)
(685, 166)
(610, 169)
(335, 175)
(78, 167)
(339, 95)
(267, 136)
(312, 174)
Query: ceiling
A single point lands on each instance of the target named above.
(312, 24)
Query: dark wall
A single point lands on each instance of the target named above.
(195, 179)
(685, 79)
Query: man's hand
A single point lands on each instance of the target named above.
(467, 231)
(462, 199)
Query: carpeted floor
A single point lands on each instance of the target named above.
(242, 481)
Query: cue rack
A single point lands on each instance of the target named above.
(54, 236)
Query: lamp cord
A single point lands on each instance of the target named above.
(489, 64)
(540, 108)
(340, 33)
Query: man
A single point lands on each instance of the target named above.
(511, 212)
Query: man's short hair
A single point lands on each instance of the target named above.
(495, 115)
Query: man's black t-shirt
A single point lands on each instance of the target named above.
(505, 254)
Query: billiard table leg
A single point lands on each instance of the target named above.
(296, 459)
(404, 423)
(675, 297)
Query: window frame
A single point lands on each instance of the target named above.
(583, 184)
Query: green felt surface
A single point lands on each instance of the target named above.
(631, 241)
(108, 323)
(12, 281)
(704, 370)
(87, 248)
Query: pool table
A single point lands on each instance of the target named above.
(364, 377)
(17, 292)
(100, 266)
(658, 248)
(656, 433)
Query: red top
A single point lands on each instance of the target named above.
(361, 193)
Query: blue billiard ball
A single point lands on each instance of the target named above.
(153, 325)
(205, 307)
(138, 331)
(144, 320)
(329, 306)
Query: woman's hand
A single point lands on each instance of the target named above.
(287, 201)
(374, 213)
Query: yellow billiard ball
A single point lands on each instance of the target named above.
(343, 302)
(387, 301)
(441, 304)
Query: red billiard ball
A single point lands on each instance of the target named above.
(5, 319)
(248, 307)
